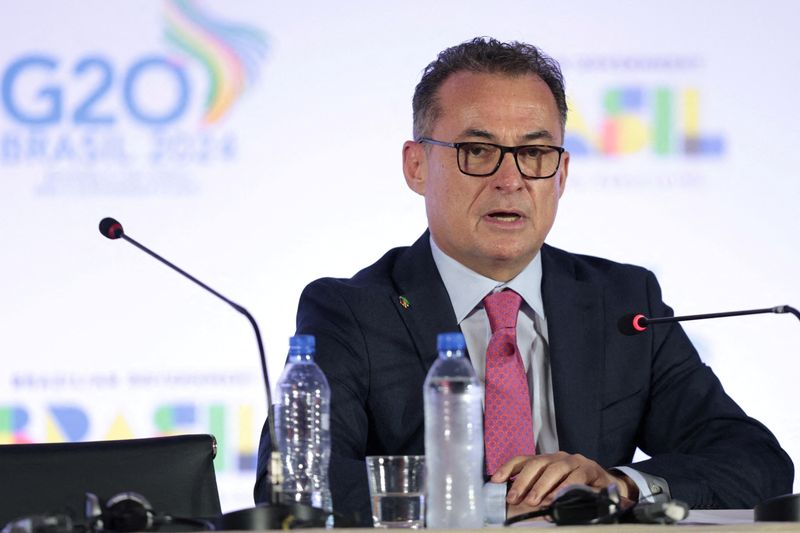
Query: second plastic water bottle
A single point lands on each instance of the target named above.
(453, 438)
(302, 427)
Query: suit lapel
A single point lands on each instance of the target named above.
(574, 322)
(426, 310)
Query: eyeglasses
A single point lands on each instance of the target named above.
(534, 161)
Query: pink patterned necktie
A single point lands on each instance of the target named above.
(508, 424)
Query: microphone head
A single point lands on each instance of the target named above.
(110, 228)
(632, 324)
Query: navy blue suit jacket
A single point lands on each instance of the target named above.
(612, 392)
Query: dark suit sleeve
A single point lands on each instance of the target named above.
(341, 354)
(262, 493)
(711, 453)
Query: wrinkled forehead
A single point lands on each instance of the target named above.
(475, 100)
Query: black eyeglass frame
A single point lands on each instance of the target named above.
(503, 151)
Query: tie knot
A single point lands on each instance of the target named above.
(502, 309)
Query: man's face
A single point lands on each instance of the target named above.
(494, 225)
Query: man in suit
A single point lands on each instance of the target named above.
(489, 122)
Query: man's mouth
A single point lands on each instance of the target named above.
(505, 216)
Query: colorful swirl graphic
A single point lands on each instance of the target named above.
(230, 53)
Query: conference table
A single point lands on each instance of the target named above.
(702, 521)
(705, 521)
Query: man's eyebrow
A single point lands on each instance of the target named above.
(538, 135)
(473, 132)
(528, 137)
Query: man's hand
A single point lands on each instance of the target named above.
(540, 477)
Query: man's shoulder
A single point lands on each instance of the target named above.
(377, 276)
(589, 267)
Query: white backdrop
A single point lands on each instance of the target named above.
(257, 144)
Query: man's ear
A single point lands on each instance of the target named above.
(415, 166)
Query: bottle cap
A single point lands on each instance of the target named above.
(302, 344)
(450, 342)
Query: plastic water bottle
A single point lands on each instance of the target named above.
(302, 427)
(453, 438)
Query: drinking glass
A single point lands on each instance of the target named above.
(397, 490)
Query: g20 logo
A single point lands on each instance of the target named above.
(51, 95)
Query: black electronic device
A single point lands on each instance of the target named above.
(583, 505)
(176, 473)
(126, 512)
(784, 508)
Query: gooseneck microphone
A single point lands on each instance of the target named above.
(278, 514)
(635, 323)
(112, 229)
(784, 508)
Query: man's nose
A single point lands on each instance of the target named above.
(508, 176)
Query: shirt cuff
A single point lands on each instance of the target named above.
(494, 501)
(652, 488)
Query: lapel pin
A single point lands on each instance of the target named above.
(404, 302)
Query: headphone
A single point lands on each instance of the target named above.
(580, 504)
(125, 512)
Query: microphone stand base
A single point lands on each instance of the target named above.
(784, 508)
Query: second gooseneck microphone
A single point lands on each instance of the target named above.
(635, 323)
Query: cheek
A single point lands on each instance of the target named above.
(451, 195)
(446, 204)
(545, 196)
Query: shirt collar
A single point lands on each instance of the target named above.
(467, 288)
